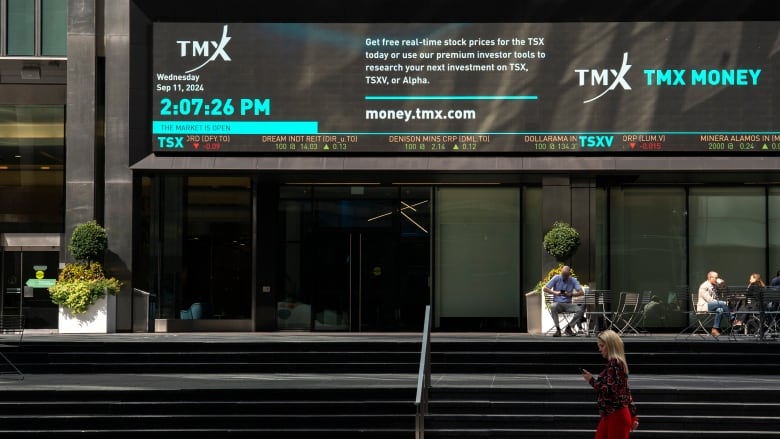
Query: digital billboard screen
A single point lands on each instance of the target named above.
(466, 88)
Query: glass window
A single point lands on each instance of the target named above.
(647, 245)
(294, 308)
(727, 233)
(21, 27)
(205, 245)
(217, 247)
(32, 178)
(477, 254)
(774, 233)
(355, 206)
(54, 27)
(415, 212)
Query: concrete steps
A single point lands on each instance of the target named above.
(465, 399)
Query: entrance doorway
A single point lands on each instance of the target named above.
(358, 259)
(29, 266)
(356, 280)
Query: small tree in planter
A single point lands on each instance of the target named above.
(82, 283)
(560, 242)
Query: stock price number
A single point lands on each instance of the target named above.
(560, 146)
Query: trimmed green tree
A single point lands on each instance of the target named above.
(561, 241)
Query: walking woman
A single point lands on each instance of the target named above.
(616, 405)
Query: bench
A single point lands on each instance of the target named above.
(11, 326)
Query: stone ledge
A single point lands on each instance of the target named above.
(197, 325)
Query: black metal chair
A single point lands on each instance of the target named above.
(700, 321)
(628, 313)
(564, 317)
(599, 314)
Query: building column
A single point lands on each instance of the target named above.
(573, 201)
(118, 184)
(81, 122)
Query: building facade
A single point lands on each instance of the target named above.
(361, 239)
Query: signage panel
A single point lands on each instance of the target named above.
(466, 88)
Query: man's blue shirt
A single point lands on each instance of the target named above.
(558, 284)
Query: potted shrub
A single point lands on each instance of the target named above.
(83, 290)
(560, 242)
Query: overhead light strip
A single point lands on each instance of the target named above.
(326, 183)
(430, 183)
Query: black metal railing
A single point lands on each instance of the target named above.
(423, 377)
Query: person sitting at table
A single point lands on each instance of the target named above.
(709, 302)
(563, 287)
(742, 308)
(775, 282)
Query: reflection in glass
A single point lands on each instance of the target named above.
(32, 149)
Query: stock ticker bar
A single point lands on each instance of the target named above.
(456, 143)
(428, 88)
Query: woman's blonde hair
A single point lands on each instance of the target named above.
(614, 345)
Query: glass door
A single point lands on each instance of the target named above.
(356, 281)
(331, 280)
(26, 276)
(378, 293)
(13, 297)
(356, 258)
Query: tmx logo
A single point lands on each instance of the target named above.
(602, 77)
(202, 48)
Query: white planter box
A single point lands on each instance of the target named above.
(100, 318)
(537, 315)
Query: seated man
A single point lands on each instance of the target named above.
(709, 302)
(563, 287)
(775, 282)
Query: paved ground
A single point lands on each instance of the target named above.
(243, 380)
